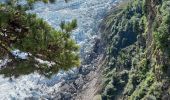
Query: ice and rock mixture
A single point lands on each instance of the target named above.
(89, 14)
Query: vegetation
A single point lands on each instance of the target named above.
(25, 32)
(137, 41)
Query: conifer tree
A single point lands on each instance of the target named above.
(25, 32)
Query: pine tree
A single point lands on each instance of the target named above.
(27, 33)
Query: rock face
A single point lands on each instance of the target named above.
(138, 63)
(86, 82)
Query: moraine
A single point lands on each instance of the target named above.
(89, 14)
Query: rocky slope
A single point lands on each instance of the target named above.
(137, 39)
(135, 47)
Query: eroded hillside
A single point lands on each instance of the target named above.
(137, 35)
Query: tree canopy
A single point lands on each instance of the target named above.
(47, 50)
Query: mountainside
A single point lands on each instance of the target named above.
(137, 39)
(125, 55)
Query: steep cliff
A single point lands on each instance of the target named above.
(137, 39)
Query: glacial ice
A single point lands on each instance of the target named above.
(88, 13)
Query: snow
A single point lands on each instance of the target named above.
(19, 54)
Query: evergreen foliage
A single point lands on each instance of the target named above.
(137, 41)
(27, 33)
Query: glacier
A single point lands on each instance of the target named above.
(89, 14)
